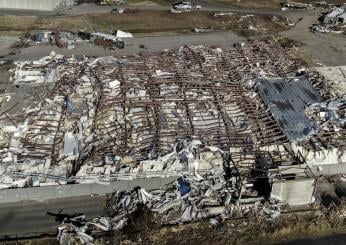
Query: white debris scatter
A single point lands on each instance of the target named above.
(185, 200)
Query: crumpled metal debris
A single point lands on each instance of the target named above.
(110, 118)
(78, 230)
(210, 197)
(329, 115)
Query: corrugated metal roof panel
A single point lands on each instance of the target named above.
(287, 100)
(335, 13)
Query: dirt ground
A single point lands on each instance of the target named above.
(266, 4)
(156, 21)
(251, 231)
(326, 49)
(143, 21)
(32, 23)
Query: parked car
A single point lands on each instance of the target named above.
(318, 28)
(183, 6)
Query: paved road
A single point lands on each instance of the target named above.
(152, 44)
(328, 49)
(22, 218)
(30, 218)
(51, 192)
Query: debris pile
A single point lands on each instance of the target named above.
(189, 199)
(333, 21)
(335, 81)
(110, 118)
(186, 200)
(78, 230)
(249, 24)
(329, 115)
(70, 40)
(295, 5)
(306, 6)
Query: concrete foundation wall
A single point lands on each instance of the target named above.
(30, 4)
(45, 193)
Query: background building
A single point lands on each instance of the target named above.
(34, 4)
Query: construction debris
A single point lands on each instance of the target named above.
(107, 41)
(332, 21)
(328, 115)
(70, 40)
(243, 130)
(188, 199)
(333, 16)
(198, 113)
(296, 5)
(122, 34)
(335, 80)
(77, 230)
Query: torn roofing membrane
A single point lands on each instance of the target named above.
(287, 100)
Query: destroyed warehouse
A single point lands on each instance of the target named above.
(244, 125)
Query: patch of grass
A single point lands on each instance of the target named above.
(150, 2)
(260, 4)
(31, 23)
(163, 21)
(252, 231)
(145, 22)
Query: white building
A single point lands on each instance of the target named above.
(44, 5)
(332, 17)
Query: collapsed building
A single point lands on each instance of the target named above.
(334, 16)
(253, 116)
(332, 21)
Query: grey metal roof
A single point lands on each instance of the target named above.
(287, 100)
(343, 16)
(335, 13)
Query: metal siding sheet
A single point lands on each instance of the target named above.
(294, 192)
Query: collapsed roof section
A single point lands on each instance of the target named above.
(108, 113)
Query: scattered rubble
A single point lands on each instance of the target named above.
(249, 24)
(286, 5)
(191, 198)
(336, 80)
(58, 134)
(70, 40)
(296, 5)
(241, 129)
(196, 112)
(201, 30)
(328, 114)
(332, 21)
